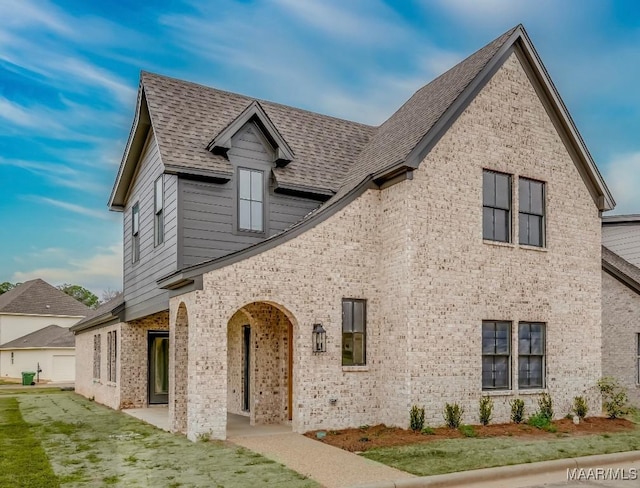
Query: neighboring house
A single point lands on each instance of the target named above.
(30, 307)
(52, 349)
(290, 266)
(621, 302)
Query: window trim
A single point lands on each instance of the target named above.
(543, 356)
(543, 216)
(265, 192)
(112, 356)
(509, 210)
(135, 232)
(352, 332)
(509, 356)
(97, 356)
(158, 213)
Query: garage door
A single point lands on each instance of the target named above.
(64, 368)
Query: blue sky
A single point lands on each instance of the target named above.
(69, 74)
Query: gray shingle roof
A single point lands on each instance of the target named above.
(186, 117)
(103, 313)
(50, 336)
(37, 297)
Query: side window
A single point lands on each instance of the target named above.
(250, 200)
(531, 368)
(135, 233)
(158, 208)
(496, 206)
(496, 355)
(96, 356)
(531, 212)
(354, 332)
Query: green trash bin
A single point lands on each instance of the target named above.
(27, 377)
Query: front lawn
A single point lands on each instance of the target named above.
(85, 444)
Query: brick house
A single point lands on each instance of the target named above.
(452, 252)
(621, 302)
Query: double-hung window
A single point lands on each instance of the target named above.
(112, 355)
(496, 206)
(135, 233)
(496, 355)
(250, 200)
(158, 208)
(354, 332)
(531, 212)
(531, 355)
(96, 356)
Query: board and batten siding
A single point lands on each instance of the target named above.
(624, 240)
(208, 210)
(140, 288)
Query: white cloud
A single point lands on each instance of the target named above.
(622, 175)
(99, 272)
(71, 207)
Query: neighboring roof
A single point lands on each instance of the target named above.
(620, 219)
(37, 297)
(621, 269)
(107, 312)
(403, 141)
(50, 336)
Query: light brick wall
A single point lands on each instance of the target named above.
(620, 325)
(102, 391)
(457, 280)
(415, 252)
(235, 361)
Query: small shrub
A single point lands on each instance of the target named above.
(453, 415)
(539, 421)
(580, 407)
(614, 397)
(486, 410)
(517, 410)
(545, 405)
(416, 418)
(427, 431)
(468, 431)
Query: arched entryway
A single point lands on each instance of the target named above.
(260, 363)
(179, 339)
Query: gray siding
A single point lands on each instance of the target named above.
(208, 209)
(624, 240)
(140, 289)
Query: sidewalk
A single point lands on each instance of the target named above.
(328, 465)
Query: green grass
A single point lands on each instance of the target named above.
(473, 453)
(90, 445)
(23, 461)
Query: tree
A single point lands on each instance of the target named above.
(6, 286)
(110, 294)
(81, 294)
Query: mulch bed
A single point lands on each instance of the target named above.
(369, 437)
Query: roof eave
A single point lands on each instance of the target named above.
(116, 313)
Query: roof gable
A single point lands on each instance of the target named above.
(37, 297)
(621, 269)
(254, 112)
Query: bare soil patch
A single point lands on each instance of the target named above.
(369, 437)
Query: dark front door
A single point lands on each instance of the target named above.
(246, 367)
(158, 367)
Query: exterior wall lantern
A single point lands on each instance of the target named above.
(319, 338)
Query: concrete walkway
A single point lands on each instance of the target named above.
(156, 416)
(328, 465)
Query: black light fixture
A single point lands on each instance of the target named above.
(319, 338)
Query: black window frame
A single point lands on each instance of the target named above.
(495, 354)
(158, 210)
(492, 205)
(349, 332)
(251, 201)
(112, 355)
(527, 213)
(135, 232)
(524, 354)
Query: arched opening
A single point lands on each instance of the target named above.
(260, 364)
(180, 369)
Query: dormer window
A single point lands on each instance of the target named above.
(135, 233)
(250, 200)
(158, 204)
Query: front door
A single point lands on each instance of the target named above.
(158, 367)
